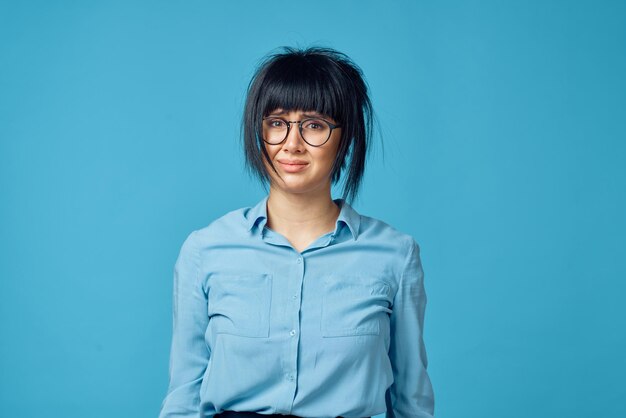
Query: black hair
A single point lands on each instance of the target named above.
(317, 79)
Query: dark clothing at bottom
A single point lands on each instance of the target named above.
(246, 414)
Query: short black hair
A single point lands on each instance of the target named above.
(319, 79)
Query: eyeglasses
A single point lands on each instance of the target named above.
(315, 131)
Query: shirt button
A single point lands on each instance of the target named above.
(299, 260)
(294, 297)
(290, 377)
(292, 332)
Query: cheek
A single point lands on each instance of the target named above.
(270, 154)
(272, 150)
(266, 164)
(324, 163)
(331, 153)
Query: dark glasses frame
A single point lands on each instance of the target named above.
(300, 122)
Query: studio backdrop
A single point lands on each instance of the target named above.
(500, 146)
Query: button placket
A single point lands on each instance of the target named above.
(293, 340)
(296, 296)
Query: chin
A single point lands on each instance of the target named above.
(296, 188)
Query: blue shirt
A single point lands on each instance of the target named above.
(334, 330)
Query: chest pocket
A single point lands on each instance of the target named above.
(353, 306)
(239, 304)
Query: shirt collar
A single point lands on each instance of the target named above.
(347, 215)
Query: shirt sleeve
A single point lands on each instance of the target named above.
(189, 353)
(411, 394)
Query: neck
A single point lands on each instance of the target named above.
(301, 214)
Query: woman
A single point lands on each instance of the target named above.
(300, 306)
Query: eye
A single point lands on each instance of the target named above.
(314, 124)
(276, 123)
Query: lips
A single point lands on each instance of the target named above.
(293, 162)
(293, 166)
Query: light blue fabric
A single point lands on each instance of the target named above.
(335, 330)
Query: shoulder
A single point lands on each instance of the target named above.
(382, 232)
(387, 251)
(230, 225)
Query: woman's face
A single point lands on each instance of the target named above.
(312, 169)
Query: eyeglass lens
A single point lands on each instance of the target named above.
(314, 131)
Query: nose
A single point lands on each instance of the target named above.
(294, 139)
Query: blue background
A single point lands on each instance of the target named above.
(504, 154)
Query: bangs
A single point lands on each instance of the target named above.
(297, 85)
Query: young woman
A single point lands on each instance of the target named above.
(299, 305)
